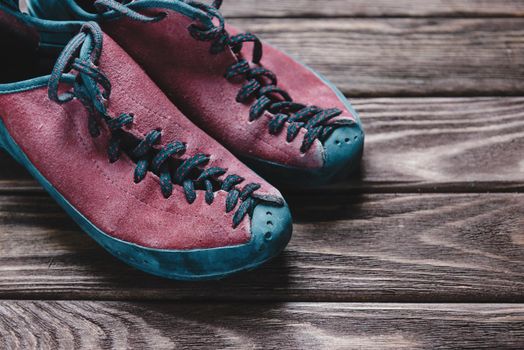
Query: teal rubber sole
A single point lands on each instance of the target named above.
(187, 265)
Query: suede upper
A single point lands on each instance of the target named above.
(57, 141)
(194, 80)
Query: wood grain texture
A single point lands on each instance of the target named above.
(440, 140)
(405, 57)
(438, 247)
(349, 245)
(415, 144)
(375, 8)
(109, 325)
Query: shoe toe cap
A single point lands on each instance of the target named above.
(343, 149)
(271, 229)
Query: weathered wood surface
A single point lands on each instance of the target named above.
(94, 325)
(405, 56)
(415, 144)
(432, 141)
(424, 236)
(419, 247)
(375, 8)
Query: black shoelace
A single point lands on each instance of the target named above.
(92, 88)
(261, 83)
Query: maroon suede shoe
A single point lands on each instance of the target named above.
(150, 187)
(276, 114)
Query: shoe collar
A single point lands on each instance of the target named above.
(38, 32)
(47, 33)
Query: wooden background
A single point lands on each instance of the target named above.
(424, 248)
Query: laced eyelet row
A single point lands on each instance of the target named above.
(260, 88)
(93, 88)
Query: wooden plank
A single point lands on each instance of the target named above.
(376, 8)
(422, 142)
(399, 57)
(97, 325)
(416, 144)
(398, 248)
